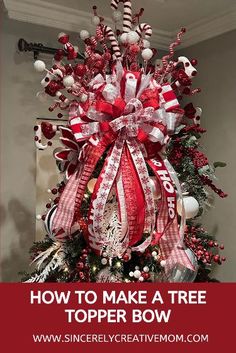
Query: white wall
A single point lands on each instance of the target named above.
(19, 107)
(217, 78)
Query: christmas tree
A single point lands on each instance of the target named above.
(135, 178)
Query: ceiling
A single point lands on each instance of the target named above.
(204, 19)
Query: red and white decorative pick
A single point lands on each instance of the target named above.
(44, 129)
(197, 116)
(189, 69)
(63, 38)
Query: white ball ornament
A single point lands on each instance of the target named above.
(147, 54)
(95, 20)
(104, 261)
(154, 253)
(146, 43)
(137, 274)
(123, 38)
(39, 65)
(84, 34)
(132, 37)
(116, 15)
(68, 81)
(131, 274)
(146, 269)
(38, 217)
(163, 263)
(83, 98)
(141, 279)
(191, 207)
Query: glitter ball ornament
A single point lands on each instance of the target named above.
(147, 54)
(191, 207)
(84, 34)
(123, 38)
(137, 274)
(132, 37)
(146, 43)
(68, 81)
(95, 20)
(39, 65)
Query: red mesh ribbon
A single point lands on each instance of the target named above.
(134, 198)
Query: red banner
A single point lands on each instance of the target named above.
(116, 317)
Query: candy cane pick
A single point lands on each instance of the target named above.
(127, 17)
(107, 31)
(144, 28)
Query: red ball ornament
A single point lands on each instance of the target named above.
(63, 38)
(216, 258)
(47, 130)
(134, 49)
(99, 64)
(126, 258)
(194, 62)
(145, 275)
(80, 265)
(59, 55)
(54, 191)
(107, 56)
(56, 200)
(80, 69)
(53, 87)
(81, 275)
(211, 243)
(60, 189)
